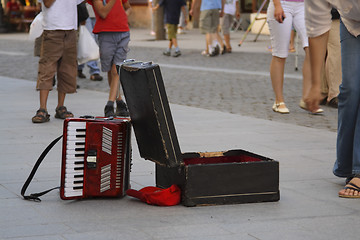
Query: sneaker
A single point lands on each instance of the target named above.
(80, 74)
(167, 53)
(121, 109)
(177, 53)
(109, 111)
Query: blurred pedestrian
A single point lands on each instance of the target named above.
(172, 9)
(152, 24)
(231, 11)
(210, 12)
(58, 55)
(331, 76)
(183, 19)
(318, 23)
(13, 13)
(113, 32)
(281, 16)
(94, 69)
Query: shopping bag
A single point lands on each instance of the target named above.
(87, 47)
(36, 27)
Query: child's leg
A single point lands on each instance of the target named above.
(174, 43)
(170, 44)
(113, 79)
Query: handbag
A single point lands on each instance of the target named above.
(87, 47)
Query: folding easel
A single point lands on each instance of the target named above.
(252, 23)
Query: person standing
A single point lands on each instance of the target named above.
(231, 10)
(331, 77)
(210, 13)
(113, 32)
(58, 55)
(318, 24)
(94, 70)
(172, 9)
(281, 16)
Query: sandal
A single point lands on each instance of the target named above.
(41, 116)
(62, 113)
(350, 186)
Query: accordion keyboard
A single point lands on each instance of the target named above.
(75, 152)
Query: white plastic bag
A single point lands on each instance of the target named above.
(87, 47)
(36, 27)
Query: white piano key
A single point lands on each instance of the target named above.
(75, 124)
(73, 137)
(72, 179)
(74, 144)
(74, 151)
(73, 171)
(70, 192)
(72, 157)
(72, 184)
(73, 166)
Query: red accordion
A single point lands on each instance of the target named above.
(96, 158)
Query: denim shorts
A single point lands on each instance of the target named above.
(113, 48)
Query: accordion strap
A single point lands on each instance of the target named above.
(35, 196)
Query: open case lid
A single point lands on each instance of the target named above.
(150, 113)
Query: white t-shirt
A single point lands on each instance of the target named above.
(318, 15)
(230, 7)
(61, 15)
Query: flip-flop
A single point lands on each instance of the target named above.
(351, 186)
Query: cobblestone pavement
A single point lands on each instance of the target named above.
(237, 83)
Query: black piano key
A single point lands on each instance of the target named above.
(79, 187)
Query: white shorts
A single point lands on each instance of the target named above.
(280, 32)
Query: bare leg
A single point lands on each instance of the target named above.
(113, 79)
(171, 44)
(277, 77)
(306, 74)
(227, 41)
(43, 98)
(174, 42)
(61, 99)
(208, 41)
